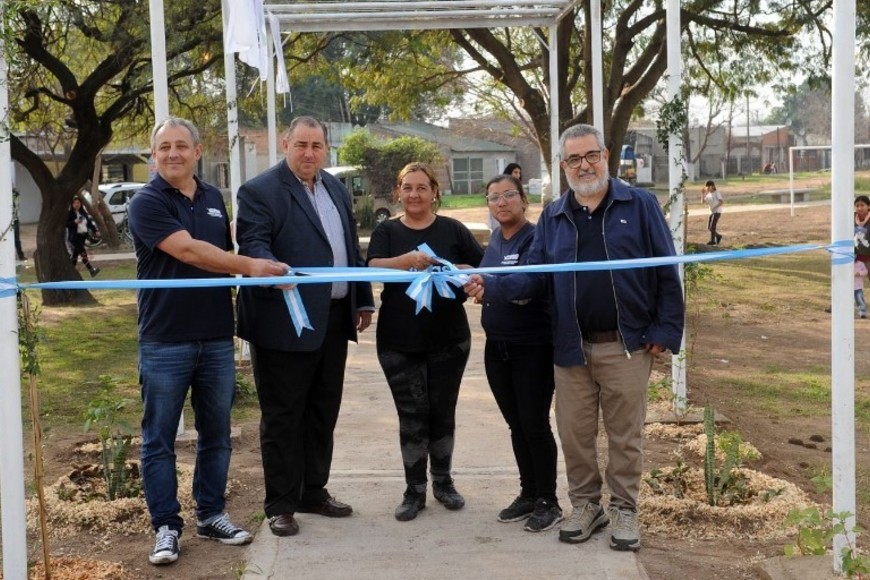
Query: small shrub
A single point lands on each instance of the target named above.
(104, 412)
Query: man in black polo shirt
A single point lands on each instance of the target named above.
(181, 231)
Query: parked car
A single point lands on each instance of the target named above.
(117, 196)
(354, 180)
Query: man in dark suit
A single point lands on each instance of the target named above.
(302, 216)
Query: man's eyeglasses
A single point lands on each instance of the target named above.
(591, 158)
(507, 196)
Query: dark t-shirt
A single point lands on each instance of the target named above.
(525, 321)
(596, 301)
(157, 211)
(398, 326)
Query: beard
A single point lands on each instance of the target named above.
(588, 188)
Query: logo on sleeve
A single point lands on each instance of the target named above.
(214, 212)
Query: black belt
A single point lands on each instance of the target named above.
(601, 336)
(335, 302)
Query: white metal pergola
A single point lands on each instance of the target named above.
(445, 14)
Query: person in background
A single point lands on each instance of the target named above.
(608, 326)
(860, 274)
(514, 170)
(862, 218)
(181, 230)
(518, 357)
(16, 226)
(713, 198)
(78, 224)
(423, 354)
(301, 215)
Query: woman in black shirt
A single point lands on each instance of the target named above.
(423, 354)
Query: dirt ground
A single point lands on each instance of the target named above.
(805, 336)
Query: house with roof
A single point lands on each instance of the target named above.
(469, 162)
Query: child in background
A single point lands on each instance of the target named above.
(860, 273)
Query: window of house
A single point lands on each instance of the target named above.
(467, 175)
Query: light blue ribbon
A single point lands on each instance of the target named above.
(440, 277)
(420, 290)
(298, 314)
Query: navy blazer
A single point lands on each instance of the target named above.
(277, 221)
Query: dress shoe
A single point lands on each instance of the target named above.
(330, 507)
(283, 525)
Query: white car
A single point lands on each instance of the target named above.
(117, 196)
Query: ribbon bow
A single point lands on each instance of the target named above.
(420, 290)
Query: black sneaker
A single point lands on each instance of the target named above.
(412, 503)
(166, 547)
(224, 531)
(546, 515)
(446, 493)
(520, 509)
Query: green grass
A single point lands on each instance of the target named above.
(78, 344)
(473, 200)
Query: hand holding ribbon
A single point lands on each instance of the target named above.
(420, 289)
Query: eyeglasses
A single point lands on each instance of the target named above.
(507, 196)
(591, 158)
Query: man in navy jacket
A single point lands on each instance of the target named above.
(608, 325)
(298, 214)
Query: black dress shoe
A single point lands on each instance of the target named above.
(330, 507)
(283, 525)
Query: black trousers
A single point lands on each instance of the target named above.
(521, 379)
(300, 396)
(712, 221)
(425, 388)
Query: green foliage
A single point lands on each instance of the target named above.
(816, 534)
(669, 482)
(28, 336)
(115, 435)
(710, 455)
(381, 160)
(244, 389)
(364, 212)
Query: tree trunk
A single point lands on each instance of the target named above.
(52, 259)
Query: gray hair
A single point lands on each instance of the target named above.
(577, 131)
(175, 122)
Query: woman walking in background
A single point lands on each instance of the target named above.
(78, 224)
(714, 199)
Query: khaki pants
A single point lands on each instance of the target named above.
(618, 385)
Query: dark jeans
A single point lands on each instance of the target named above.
(425, 387)
(167, 370)
(521, 379)
(712, 221)
(300, 396)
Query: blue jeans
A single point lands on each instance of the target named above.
(166, 371)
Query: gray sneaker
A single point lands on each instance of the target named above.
(585, 520)
(624, 529)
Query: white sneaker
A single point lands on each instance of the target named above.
(166, 547)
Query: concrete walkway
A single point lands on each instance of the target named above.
(439, 544)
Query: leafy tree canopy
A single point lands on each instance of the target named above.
(381, 160)
(727, 48)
